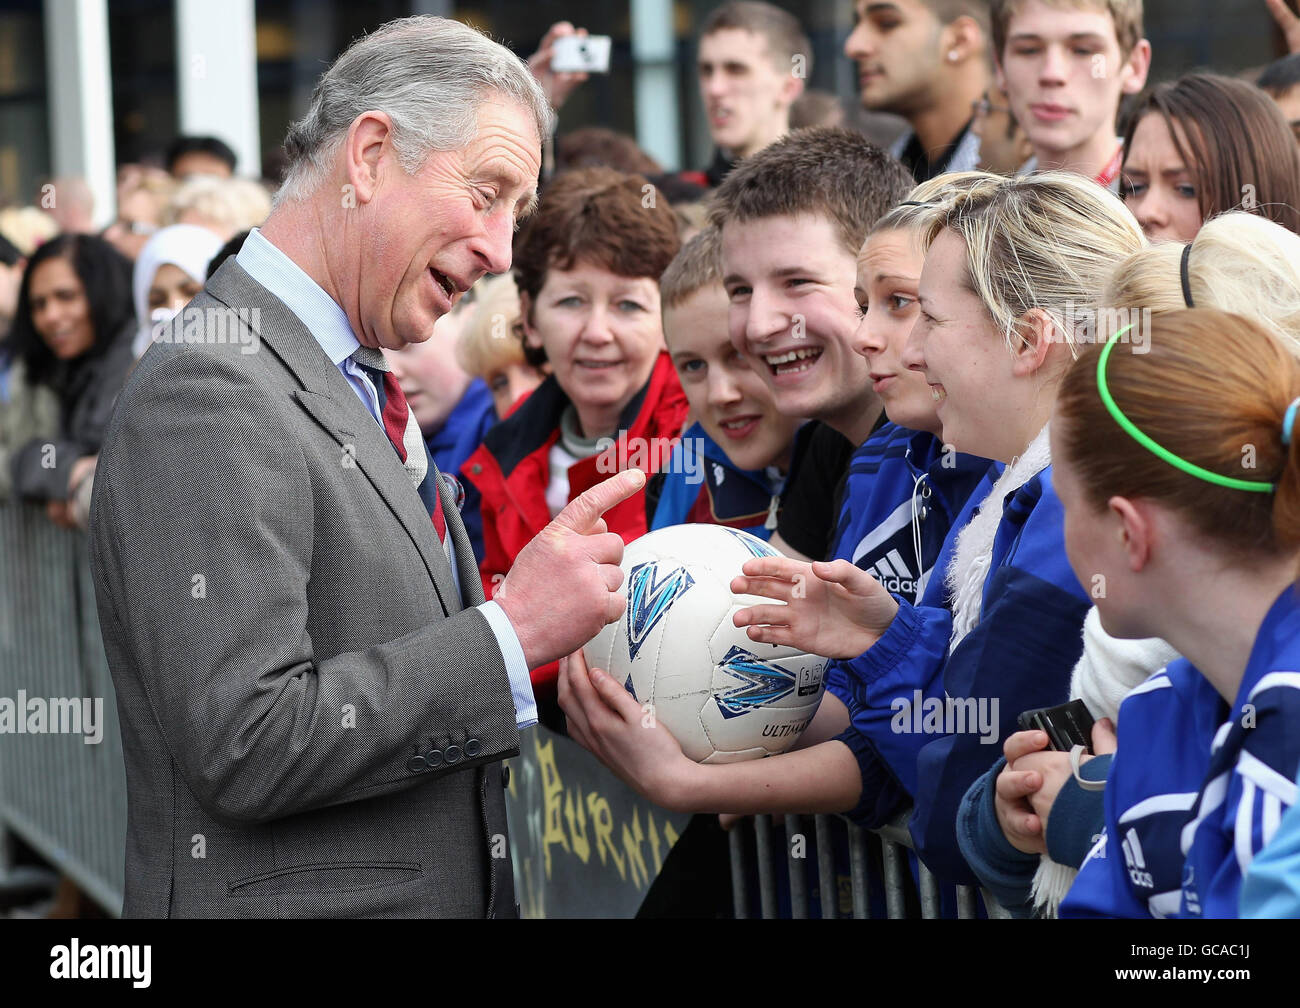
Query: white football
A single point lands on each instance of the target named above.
(724, 697)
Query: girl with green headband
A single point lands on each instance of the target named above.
(1181, 486)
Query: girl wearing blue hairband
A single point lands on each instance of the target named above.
(1181, 486)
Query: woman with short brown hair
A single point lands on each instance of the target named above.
(587, 266)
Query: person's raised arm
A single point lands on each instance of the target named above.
(835, 610)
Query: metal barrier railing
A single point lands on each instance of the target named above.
(65, 798)
(894, 840)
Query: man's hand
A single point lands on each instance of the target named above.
(57, 512)
(1020, 824)
(558, 86)
(835, 610)
(1287, 21)
(607, 721)
(561, 589)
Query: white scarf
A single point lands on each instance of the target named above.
(973, 556)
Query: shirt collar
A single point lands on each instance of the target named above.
(284, 278)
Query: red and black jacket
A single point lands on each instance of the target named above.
(511, 471)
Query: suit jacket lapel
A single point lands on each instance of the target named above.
(328, 398)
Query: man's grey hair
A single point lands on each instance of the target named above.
(429, 75)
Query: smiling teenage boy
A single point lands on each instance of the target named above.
(1065, 66)
(792, 219)
(730, 465)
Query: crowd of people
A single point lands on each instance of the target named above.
(1014, 399)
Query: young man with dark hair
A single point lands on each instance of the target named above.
(927, 61)
(1066, 66)
(1281, 82)
(200, 155)
(753, 62)
(792, 218)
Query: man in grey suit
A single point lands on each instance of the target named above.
(315, 698)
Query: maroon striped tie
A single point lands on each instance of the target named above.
(396, 416)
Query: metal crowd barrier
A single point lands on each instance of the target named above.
(63, 797)
(894, 840)
(67, 799)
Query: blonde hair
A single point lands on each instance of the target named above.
(1046, 241)
(1240, 263)
(492, 338)
(233, 204)
(927, 199)
(27, 227)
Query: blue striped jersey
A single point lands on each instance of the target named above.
(1251, 780)
(1165, 728)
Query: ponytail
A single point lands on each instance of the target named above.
(1196, 422)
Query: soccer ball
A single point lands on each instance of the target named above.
(724, 697)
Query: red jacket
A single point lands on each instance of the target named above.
(511, 471)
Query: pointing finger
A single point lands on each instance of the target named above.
(582, 513)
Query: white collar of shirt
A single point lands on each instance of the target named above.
(284, 278)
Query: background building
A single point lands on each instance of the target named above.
(86, 85)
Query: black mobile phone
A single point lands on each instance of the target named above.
(1067, 726)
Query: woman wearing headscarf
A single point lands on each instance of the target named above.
(169, 272)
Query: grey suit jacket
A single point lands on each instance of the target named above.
(312, 724)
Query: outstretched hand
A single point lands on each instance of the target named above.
(835, 610)
(623, 734)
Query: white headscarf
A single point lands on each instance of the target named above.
(185, 246)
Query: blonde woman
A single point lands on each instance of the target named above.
(1006, 268)
(225, 206)
(491, 344)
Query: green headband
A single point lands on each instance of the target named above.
(1191, 468)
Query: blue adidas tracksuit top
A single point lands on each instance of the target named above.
(1253, 764)
(1020, 654)
(902, 491)
(1165, 728)
(1190, 861)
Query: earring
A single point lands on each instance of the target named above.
(953, 54)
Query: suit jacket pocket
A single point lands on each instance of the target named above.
(342, 876)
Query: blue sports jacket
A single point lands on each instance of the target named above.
(1019, 656)
(1165, 728)
(1251, 779)
(701, 484)
(902, 490)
